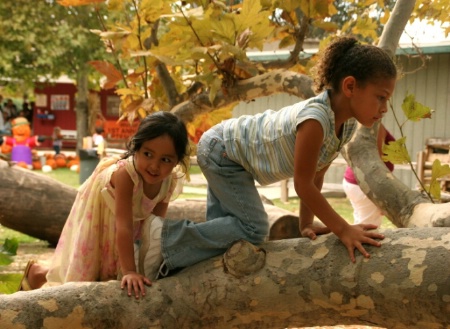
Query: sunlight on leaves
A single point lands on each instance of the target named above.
(396, 152)
(113, 76)
(415, 111)
(437, 171)
(74, 3)
(205, 121)
(8, 249)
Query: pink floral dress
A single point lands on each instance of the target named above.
(87, 249)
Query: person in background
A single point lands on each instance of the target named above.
(28, 112)
(2, 123)
(99, 141)
(7, 125)
(97, 137)
(57, 139)
(107, 232)
(364, 210)
(10, 108)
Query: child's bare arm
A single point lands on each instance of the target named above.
(308, 143)
(124, 234)
(306, 218)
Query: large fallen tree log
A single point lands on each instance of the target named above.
(294, 283)
(38, 205)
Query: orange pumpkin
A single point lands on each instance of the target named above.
(22, 164)
(6, 148)
(60, 160)
(37, 165)
(51, 163)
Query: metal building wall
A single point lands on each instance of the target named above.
(431, 87)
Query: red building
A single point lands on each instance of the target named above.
(55, 107)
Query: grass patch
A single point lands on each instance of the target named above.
(10, 282)
(341, 205)
(64, 175)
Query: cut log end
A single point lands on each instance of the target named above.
(243, 258)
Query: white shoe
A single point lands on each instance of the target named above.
(150, 251)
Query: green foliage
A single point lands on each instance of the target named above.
(413, 110)
(8, 249)
(397, 153)
(437, 171)
(41, 39)
(9, 283)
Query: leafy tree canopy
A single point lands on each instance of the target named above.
(42, 40)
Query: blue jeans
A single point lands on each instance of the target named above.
(234, 209)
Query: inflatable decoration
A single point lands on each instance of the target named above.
(21, 142)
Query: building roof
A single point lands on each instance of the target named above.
(428, 36)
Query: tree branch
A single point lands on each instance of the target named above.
(301, 284)
(278, 81)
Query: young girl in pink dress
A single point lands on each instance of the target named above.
(110, 218)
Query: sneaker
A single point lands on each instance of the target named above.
(150, 250)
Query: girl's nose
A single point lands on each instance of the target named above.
(154, 167)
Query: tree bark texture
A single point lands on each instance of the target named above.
(404, 207)
(288, 283)
(33, 203)
(37, 205)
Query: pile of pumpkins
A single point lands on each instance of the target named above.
(55, 161)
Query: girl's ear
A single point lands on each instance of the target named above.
(348, 85)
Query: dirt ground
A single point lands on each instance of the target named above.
(40, 252)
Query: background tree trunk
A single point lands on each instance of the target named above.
(38, 205)
(81, 106)
(405, 284)
(33, 203)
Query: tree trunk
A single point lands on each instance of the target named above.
(289, 283)
(81, 106)
(38, 205)
(283, 223)
(403, 206)
(33, 203)
(405, 284)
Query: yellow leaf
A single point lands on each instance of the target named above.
(366, 27)
(332, 9)
(151, 10)
(222, 28)
(396, 152)
(367, 3)
(414, 110)
(435, 190)
(116, 5)
(113, 76)
(67, 3)
(327, 26)
(252, 17)
(385, 17)
(286, 42)
(438, 170)
(132, 42)
(142, 113)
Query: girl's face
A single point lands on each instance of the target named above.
(156, 159)
(370, 102)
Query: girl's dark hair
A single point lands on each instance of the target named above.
(158, 124)
(347, 57)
